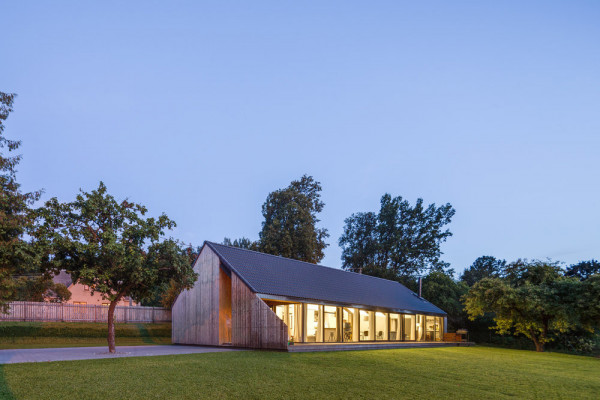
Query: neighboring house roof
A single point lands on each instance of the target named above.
(63, 278)
(278, 276)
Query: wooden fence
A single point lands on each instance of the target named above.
(33, 311)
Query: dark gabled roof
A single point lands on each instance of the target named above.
(278, 276)
(63, 277)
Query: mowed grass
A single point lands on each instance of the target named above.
(452, 372)
(28, 335)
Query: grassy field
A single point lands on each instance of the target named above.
(27, 335)
(435, 373)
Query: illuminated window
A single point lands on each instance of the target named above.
(381, 326)
(420, 327)
(350, 325)
(367, 322)
(408, 328)
(330, 331)
(313, 323)
(80, 303)
(395, 327)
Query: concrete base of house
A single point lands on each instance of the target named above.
(306, 347)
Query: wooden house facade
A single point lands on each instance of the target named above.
(248, 299)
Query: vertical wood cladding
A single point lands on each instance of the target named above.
(196, 311)
(254, 324)
(220, 309)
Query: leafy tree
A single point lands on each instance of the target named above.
(165, 294)
(15, 216)
(483, 267)
(584, 269)
(111, 247)
(534, 299)
(242, 243)
(40, 288)
(398, 242)
(290, 225)
(440, 289)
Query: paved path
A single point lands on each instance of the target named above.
(91, 353)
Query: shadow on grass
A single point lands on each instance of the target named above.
(144, 334)
(5, 392)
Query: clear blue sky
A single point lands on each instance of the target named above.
(200, 109)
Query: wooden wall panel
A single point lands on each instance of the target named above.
(253, 323)
(221, 310)
(196, 312)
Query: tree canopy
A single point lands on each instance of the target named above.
(401, 240)
(482, 267)
(290, 225)
(112, 247)
(535, 299)
(584, 269)
(16, 254)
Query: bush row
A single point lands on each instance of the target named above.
(81, 329)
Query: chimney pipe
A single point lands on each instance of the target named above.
(420, 286)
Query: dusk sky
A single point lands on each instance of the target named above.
(200, 109)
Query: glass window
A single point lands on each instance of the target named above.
(313, 323)
(420, 327)
(395, 327)
(408, 328)
(350, 325)
(330, 324)
(290, 315)
(367, 328)
(431, 328)
(381, 325)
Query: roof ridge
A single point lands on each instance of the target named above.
(306, 262)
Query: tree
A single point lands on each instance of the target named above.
(360, 243)
(15, 215)
(534, 299)
(483, 267)
(440, 289)
(290, 225)
(111, 247)
(242, 243)
(584, 269)
(39, 288)
(165, 294)
(400, 241)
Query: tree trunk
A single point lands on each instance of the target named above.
(111, 326)
(539, 346)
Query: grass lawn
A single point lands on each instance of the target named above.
(29, 335)
(434, 373)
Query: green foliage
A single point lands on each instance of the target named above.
(13, 329)
(290, 225)
(166, 294)
(483, 267)
(15, 215)
(40, 288)
(440, 289)
(536, 300)
(584, 269)
(242, 243)
(401, 240)
(110, 246)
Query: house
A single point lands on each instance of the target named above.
(244, 298)
(82, 295)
